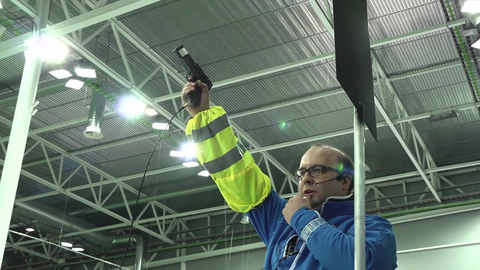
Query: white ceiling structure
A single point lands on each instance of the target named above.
(272, 64)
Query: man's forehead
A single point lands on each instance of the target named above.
(323, 155)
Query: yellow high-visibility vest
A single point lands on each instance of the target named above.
(240, 181)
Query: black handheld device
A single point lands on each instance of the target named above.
(193, 70)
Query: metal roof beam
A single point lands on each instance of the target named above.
(200, 213)
(324, 93)
(105, 13)
(331, 92)
(398, 105)
(377, 182)
(138, 43)
(18, 45)
(124, 220)
(257, 150)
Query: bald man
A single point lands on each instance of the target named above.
(315, 228)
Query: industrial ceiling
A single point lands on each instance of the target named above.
(272, 64)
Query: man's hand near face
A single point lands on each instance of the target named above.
(295, 203)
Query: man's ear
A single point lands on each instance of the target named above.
(346, 182)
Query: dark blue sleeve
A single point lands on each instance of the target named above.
(265, 217)
(328, 243)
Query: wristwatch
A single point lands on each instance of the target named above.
(311, 226)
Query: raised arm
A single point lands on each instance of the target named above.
(241, 182)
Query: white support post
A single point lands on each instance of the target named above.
(359, 189)
(20, 126)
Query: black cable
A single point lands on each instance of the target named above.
(141, 185)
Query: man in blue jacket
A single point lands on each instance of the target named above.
(315, 228)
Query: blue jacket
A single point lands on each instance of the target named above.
(330, 245)
(325, 240)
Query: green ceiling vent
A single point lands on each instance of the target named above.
(95, 116)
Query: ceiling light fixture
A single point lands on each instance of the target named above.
(78, 248)
(81, 70)
(129, 106)
(476, 45)
(75, 84)
(30, 229)
(443, 116)
(160, 126)
(471, 6)
(66, 244)
(174, 153)
(245, 219)
(204, 173)
(60, 73)
(85, 72)
(151, 112)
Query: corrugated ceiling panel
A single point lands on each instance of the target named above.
(133, 149)
(243, 48)
(457, 143)
(391, 18)
(73, 138)
(464, 116)
(419, 52)
(267, 58)
(302, 128)
(297, 112)
(169, 24)
(448, 131)
(437, 98)
(268, 90)
(430, 81)
(136, 163)
(11, 68)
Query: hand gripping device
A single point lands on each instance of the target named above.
(193, 70)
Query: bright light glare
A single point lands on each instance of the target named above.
(86, 72)
(471, 7)
(53, 49)
(130, 107)
(75, 84)
(177, 154)
(1, 5)
(78, 249)
(60, 73)
(476, 45)
(30, 229)
(160, 126)
(190, 164)
(204, 173)
(66, 244)
(188, 149)
(151, 112)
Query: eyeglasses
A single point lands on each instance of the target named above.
(315, 171)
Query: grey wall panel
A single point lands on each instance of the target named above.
(432, 233)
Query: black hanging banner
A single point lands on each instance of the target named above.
(353, 57)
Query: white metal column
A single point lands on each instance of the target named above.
(359, 189)
(21, 125)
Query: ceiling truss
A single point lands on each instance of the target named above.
(165, 218)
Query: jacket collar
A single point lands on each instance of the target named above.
(337, 206)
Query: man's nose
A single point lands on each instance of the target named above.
(307, 179)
